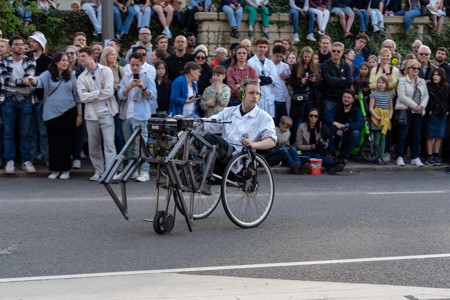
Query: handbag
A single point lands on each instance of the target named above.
(400, 118)
(300, 97)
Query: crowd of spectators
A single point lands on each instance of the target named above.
(86, 100)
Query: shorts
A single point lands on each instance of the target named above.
(346, 10)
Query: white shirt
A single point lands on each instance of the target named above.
(280, 89)
(267, 96)
(148, 69)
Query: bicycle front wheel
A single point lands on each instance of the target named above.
(247, 190)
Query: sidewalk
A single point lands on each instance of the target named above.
(352, 166)
(172, 286)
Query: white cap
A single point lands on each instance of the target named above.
(40, 38)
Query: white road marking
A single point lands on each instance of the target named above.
(231, 267)
(409, 192)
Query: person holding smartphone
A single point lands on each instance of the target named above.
(138, 101)
(184, 99)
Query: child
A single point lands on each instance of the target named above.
(163, 85)
(361, 83)
(283, 152)
(216, 96)
(381, 109)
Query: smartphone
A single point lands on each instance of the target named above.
(136, 76)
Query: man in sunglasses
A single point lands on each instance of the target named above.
(147, 68)
(337, 77)
(424, 55)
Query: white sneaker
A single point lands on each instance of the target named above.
(10, 168)
(387, 157)
(310, 37)
(416, 162)
(143, 177)
(65, 175)
(400, 161)
(76, 164)
(95, 177)
(28, 167)
(53, 175)
(167, 33)
(296, 39)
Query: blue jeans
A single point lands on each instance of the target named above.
(143, 18)
(363, 18)
(12, 110)
(296, 16)
(23, 13)
(39, 140)
(345, 143)
(413, 127)
(118, 137)
(329, 111)
(327, 162)
(287, 155)
(234, 15)
(128, 127)
(409, 16)
(126, 24)
(280, 110)
(94, 14)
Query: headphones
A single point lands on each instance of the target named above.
(241, 93)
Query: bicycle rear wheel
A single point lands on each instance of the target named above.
(247, 196)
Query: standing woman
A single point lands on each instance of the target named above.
(201, 58)
(184, 98)
(254, 7)
(61, 113)
(304, 77)
(109, 58)
(437, 111)
(163, 85)
(413, 98)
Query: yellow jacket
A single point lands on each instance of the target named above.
(385, 123)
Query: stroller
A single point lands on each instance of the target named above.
(367, 148)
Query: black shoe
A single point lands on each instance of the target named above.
(206, 189)
(437, 160)
(337, 168)
(304, 169)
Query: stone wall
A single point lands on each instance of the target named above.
(214, 30)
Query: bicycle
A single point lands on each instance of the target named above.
(246, 185)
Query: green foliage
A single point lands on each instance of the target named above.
(10, 22)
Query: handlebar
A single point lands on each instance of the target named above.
(218, 121)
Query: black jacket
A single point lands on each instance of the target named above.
(439, 98)
(42, 64)
(333, 81)
(176, 64)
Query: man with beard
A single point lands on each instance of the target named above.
(441, 60)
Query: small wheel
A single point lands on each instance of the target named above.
(370, 151)
(158, 222)
(247, 196)
(168, 223)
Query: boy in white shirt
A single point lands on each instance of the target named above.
(280, 89)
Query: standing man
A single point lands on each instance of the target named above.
(39, 141)
(266, 73)
(324, 52)
(441, 60)
(191, 42)
(415, 47)
(162, 42)
(148, 69)
(175, 62)
(427, 67)
(137, 96)
(280, 89)
(16, 99)
(248, 44)
(361, 52)
(96, 89)
(79, 39)
(145, 36)
(336, 78)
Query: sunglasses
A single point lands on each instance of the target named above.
(415, 68)
(424, 54)
(336, 51)
(200, 57)
(313, 116)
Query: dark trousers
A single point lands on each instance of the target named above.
(60, 131)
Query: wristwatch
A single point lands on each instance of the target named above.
(144, 89)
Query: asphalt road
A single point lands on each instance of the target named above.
(73, 227)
